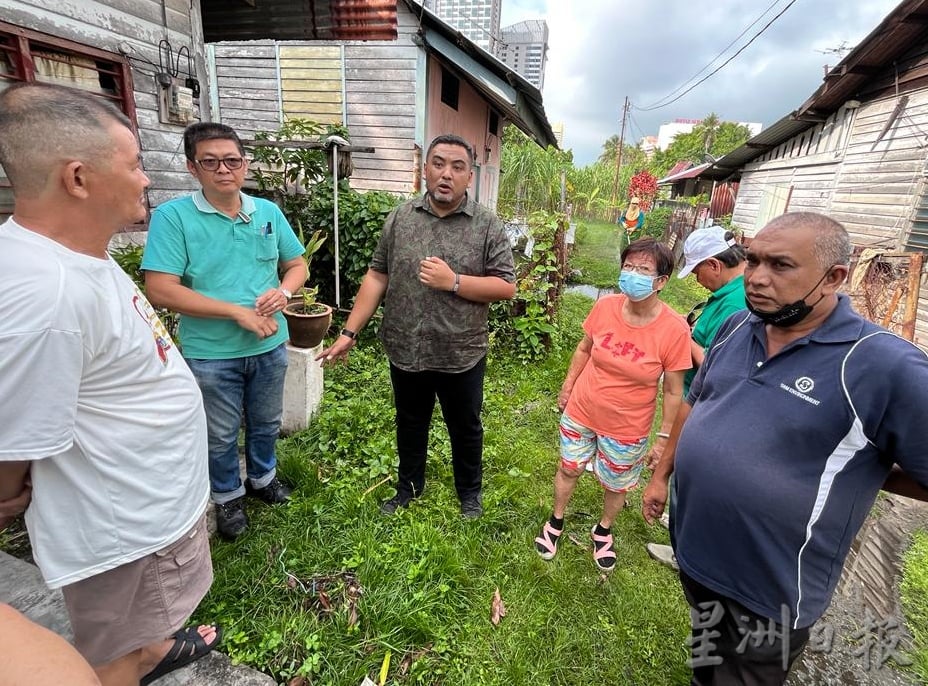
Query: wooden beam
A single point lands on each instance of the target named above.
(304, 145)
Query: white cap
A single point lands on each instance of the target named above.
(703, 244)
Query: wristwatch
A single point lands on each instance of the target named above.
(287, 294)
(457, 283)
(348, 332)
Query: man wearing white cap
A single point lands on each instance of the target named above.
(716, 259)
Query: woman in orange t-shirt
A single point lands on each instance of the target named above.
(609, 396)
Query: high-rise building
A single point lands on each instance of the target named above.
(478, 20)
(524, 47)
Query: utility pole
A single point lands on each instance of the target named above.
(618, 157)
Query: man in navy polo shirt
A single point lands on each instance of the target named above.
(800, 413)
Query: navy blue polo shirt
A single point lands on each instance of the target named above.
(780, 460)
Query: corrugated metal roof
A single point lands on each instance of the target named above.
(690, 173)
(901, 30)
(299, 20)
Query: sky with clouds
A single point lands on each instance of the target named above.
(603, 50)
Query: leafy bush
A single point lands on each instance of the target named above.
(656, 221)
(299, 180)
(527, 323)
(360, 221)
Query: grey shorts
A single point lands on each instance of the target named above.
(142, 602)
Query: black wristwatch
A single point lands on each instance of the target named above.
(348, 332)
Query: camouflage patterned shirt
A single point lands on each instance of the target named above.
(424, 329)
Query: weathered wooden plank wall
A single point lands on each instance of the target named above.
(370, 86)
(140, 25)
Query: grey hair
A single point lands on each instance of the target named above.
(42, 125)
(832, 245)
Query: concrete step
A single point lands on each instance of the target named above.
(22, 587)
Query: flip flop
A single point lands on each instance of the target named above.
(188, 647)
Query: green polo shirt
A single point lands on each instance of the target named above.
(720, 306)
(234, 260)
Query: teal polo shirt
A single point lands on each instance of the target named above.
(720, 306)
(234, 260)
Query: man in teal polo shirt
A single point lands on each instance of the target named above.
(215, 257)
(716, 259)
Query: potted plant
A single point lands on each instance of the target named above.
(307, 319)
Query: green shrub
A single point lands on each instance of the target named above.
(656, 221)
(360, 221)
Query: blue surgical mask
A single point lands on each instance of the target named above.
(636, 286)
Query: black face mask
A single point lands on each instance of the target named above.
(790, 315)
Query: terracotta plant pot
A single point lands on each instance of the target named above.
(306, 330)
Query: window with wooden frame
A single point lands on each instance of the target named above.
(36, 57)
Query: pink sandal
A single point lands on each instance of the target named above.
(603, 550)
(546, 543)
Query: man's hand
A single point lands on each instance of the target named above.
(250, 320)
(270, 302)
(653, 500)
(435, 273)
(15, 506)
(337, 352)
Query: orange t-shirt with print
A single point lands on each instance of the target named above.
(616, 393)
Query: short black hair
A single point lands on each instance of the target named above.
(662, 255)
(734, 255)
(208, 131)
(451, 139)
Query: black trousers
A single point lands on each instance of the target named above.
(461, 398)
(730, 644)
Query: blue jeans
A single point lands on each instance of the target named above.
(253, 386)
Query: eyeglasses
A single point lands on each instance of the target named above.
(212, 163)
(638, 269)
(695, 313)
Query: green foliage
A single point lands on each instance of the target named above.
(530, 176)
(712, 136)
(656, 221)
(527, 323)
(360, 220)
(129, 258)
(914, 592)
(298, 179)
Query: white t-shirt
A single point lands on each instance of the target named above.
(95, 393)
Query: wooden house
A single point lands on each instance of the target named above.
(394, 96)
(856, 149)
(117, 50)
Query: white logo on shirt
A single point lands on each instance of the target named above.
(804, 384)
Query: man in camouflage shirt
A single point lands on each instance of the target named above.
(441, 260)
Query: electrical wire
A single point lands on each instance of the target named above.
(721, 66)
(722, 52)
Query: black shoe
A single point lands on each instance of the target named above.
(274, 493)
(472, 505)
(390, 506)
(231, 520)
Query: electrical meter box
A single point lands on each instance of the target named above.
(175, 103)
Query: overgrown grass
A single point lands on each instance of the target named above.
(287, 591)
(596, 254)
(914, 592)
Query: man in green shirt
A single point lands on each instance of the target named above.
(716, 259)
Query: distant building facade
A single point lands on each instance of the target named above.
(558, 128)
(668, 131)
(476, 19)
(648, 145)
(524, 48)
